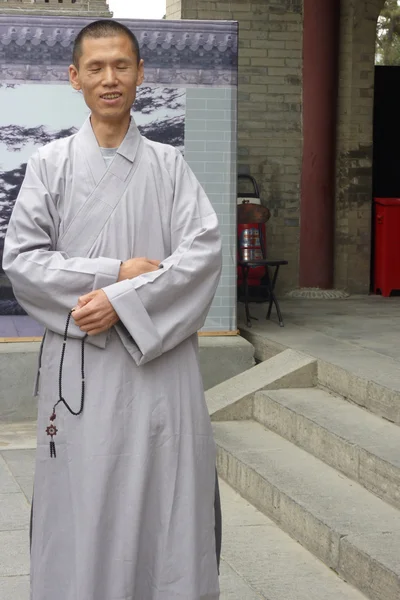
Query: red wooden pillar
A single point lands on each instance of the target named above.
(320, 85)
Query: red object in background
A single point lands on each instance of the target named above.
(387, 245)
(251, 236)
(251, 229)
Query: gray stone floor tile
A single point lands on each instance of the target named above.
(26, 485)
(20, 462)
(14, 552)
(233, 586)
(14, 511)
(18, 436)
(14, 588)
(8, 485)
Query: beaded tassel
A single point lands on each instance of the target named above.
(52, 430)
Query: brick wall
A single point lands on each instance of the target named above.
(354, 144)
(269, 126)
(174, 9)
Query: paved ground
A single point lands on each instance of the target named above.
(359, 335)
(17, 456)
(368, 322)
(259, 561)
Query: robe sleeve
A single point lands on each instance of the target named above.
(47, 283)
(163, 308)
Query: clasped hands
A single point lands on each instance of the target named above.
(94, 313)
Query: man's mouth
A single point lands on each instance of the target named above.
(112, 96)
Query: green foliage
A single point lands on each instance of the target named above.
(388, 34)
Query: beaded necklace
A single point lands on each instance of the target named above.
(52, 430)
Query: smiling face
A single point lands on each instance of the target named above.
(108, 75)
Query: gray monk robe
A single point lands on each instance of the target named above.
(126, 509)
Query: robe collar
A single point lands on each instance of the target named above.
(128, 148)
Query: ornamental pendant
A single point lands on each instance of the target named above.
(51, 430)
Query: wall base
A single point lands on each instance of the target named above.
(220, 358)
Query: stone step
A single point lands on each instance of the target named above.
(352, 531)
(350, 439)
(259, 560)
(367, 378)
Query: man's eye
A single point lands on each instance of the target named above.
(97, 70)
(122, 68)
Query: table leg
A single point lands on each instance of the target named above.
(246, 294)
(272, 297)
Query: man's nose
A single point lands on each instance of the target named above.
(110, 76)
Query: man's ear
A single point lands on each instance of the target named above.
(140, 77)
(74, 77)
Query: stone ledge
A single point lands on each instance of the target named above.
(221, 358)
(233, 399)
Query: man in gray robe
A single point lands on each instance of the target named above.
(125, 473)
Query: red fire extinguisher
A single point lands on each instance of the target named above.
(251, 229)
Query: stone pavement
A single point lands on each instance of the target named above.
(16, 476)
(17, 455)
(369, 323)
(259, 561)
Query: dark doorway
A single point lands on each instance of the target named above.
(386, 148)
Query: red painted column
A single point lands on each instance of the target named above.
(320, 84)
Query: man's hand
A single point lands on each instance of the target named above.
(137, 266)
(94, 313)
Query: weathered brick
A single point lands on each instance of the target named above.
(269, 123)
(259, 62)
(281, 72)
(253, 53)
(283, 89)
(286, 36)
(255, 89)
(271, 81)
(236, 7)
(272, 53)
(294, 45)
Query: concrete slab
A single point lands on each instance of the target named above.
(346, 365)
(18, 367)
(365, 322)
(376, 583)
(8, 484)
(254, 566)
(318, 506)
(14, 512)
(348, 438)
(272, 565)
(233, 399)
(220, 358)
(14, 588)
(18, 436)
(224, 357)
(233, 587)
(14, 553)
(21, 464)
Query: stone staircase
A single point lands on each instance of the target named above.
(324, 468)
